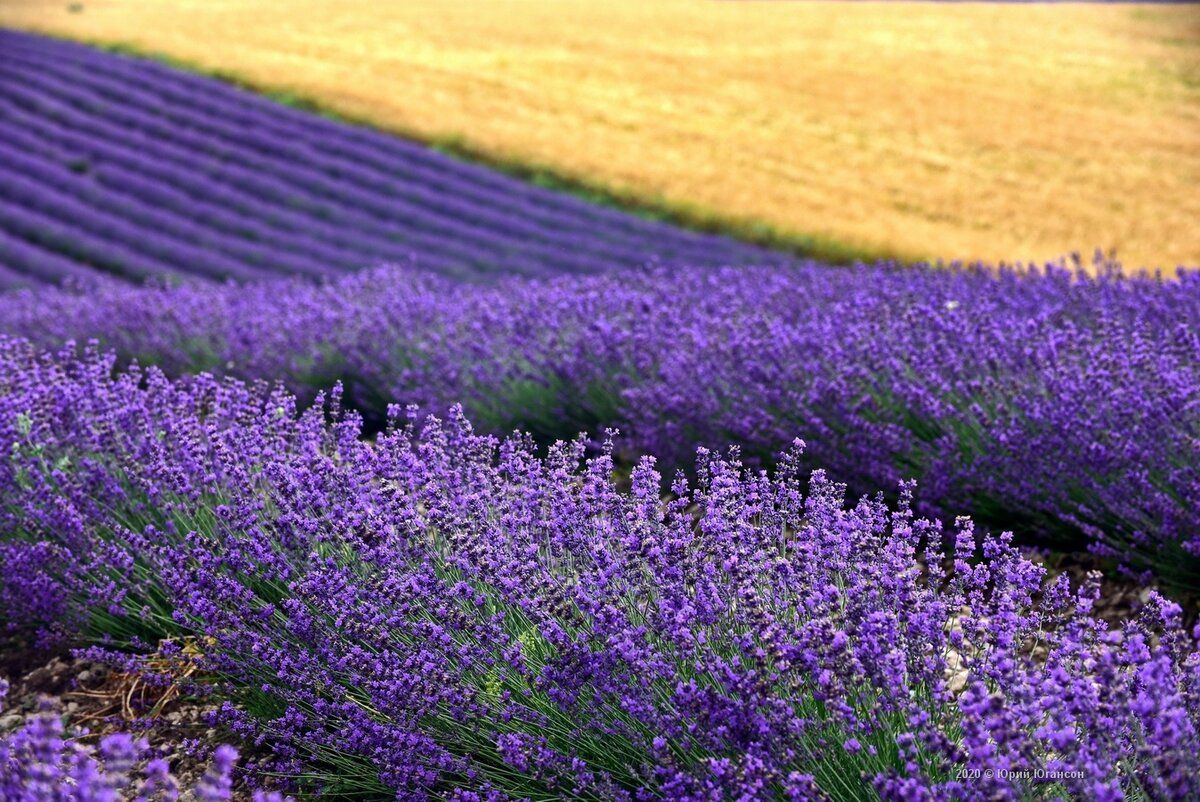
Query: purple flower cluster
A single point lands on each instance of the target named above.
(440, 614)
(41, 762)
(127, 167)
(1066, 408)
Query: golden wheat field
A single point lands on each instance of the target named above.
(921, 130)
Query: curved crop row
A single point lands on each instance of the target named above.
(438, 615)
(135, 169)
(1063, 407)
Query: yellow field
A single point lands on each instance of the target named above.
(975, 131)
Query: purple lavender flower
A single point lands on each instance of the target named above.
(217, 785)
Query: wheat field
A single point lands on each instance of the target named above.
(990, 131)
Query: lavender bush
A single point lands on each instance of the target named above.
(1061, 406)
(438, 614)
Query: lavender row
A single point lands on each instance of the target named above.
(439, 615)
(51, 186)
(291, 184)
(129, 173)
(92, 149)
(115, 224)
(120, 135)
(1065, 407)
(22, 257)
(89, 247)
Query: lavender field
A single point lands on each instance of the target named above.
(120, 166)
(415, 482)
